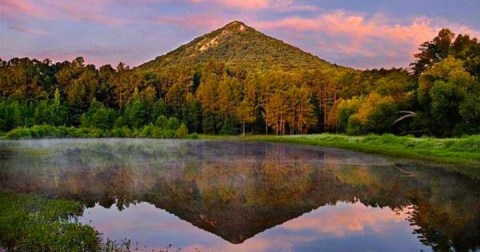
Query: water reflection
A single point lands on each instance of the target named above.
(305, 198)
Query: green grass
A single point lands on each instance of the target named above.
(460, 151)
(31, 223)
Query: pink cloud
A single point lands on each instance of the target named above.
(340, 221)
(243, 4)
(192, 21)
(88, 10)
(365, 36)
(277, 5)
(15, 9)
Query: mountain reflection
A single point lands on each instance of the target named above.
(238, 190)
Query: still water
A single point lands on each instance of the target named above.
(235, 196)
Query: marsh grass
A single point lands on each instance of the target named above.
(30, 223)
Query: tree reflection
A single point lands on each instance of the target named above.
(237, 190)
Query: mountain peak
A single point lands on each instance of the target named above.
(237, 44)
(236, 25)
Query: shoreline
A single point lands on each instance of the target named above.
(463, 151)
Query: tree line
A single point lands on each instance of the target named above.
(439, 95)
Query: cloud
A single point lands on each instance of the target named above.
(328, 224)
(15, 9)
(243, 4)
(275, 5)
(88, 10)
(23, 29)
(348, 38)
(356, 34)
(344, 220)
(191, 21)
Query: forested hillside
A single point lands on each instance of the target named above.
(238, 46)
(237, 80)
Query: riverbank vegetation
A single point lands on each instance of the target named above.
(49, 131)
(438, 96)
(31, 223)
(460, 151)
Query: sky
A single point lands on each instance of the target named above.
(356, 33)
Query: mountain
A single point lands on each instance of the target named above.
(237, 44)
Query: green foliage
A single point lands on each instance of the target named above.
(193, 136)
(210, 122)
(120, 122)
(433, 51)
(161, 121)
(147, 131)
(159, 108)
(49, 131)
(463, 152)
(98, 116)
(192, 116)
(447, 90)
(246, 80)
(182, 131)
(29, 223)
(51, 112)
(229, 126)
(374, 113)
(238, 44)
(172, 123)
(347, 108)
(136, 112)
(121, 132)
(11, 115)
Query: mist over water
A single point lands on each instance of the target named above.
(236, 196)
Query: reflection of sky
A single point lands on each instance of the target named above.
(329, 228)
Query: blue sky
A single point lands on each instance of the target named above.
(356, 33)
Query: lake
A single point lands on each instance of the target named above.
(238, 196)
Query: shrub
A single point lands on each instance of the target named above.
(20, 132)
(98, 116)
(345, 109)
(121, 132)
(147, 131)
(120, 122)
(172, 124)
(376, 114)
(161, 122)
(182, 131)
(193, 136)
(168, 133)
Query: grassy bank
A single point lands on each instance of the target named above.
(31, 223)
(462, 151)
